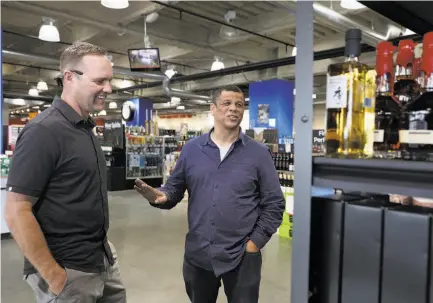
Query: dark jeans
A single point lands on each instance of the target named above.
(241, 285)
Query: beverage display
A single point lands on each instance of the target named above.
(349, 96)
(284, 161)
(416, 133)
(404, 60)
(387, 109)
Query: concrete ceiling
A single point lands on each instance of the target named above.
(186, 42)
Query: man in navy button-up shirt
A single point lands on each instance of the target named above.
(235, 204)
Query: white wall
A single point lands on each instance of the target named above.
(200, 121)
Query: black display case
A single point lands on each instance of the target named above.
(113, 146)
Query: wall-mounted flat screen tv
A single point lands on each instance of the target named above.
(144, 60)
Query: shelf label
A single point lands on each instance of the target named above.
(336, 92)
(421, 136)
(379, 135)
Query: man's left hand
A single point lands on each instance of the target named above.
(251, 247)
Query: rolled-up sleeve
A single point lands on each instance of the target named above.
(34, 161)
(272, 203)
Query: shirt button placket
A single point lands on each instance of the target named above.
(214, 205)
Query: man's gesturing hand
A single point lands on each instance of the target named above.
(151, 194)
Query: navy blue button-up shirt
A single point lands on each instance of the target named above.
(230, 201)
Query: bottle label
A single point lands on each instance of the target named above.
(379, 135)
(416, 136)
(368, 102)
(336, 92)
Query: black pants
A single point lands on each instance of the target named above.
(241, 285)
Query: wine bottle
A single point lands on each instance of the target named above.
(405, 59)
(346, 104)
(417, 137)
(387, 109)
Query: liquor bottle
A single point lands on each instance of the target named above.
(417, 137)
(405, 87)
(146, 124)
(404, 60)
(369, 110)
(417, 72)
(155, 124)
(346, 103)
(291, 162)
(387, 109)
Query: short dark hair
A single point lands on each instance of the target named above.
(74, 53)
(229, 88)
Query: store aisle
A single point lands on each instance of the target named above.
(150, 246)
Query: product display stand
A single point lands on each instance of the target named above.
(380, 176)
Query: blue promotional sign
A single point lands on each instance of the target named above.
(271, 106)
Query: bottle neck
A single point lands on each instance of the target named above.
(352, 58)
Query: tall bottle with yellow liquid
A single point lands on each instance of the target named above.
(350, 101)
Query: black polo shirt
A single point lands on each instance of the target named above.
(59, 160)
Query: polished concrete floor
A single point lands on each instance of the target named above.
(150, 246)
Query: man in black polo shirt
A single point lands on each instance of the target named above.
(56, 203)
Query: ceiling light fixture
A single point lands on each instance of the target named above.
(294, 50)
(115, 4)
(33, 92)
(48, 31)
(102, 113)
(170, 73)
(217, 65)
(112, 105)
(175, 100)
(42, 86)
(228, 32)
(152, 17)
(351, 4)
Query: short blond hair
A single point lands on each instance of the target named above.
(72, 55)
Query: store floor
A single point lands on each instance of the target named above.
(150, 246)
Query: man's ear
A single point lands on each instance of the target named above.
(67, 76)
(212, 107)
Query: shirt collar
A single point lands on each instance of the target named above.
(71, 115)
(208, 139)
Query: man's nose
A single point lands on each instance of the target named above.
(108, 88)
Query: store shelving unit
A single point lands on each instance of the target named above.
(374, 176)
(144, 159)
(154, 147)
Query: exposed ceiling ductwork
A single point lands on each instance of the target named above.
(55, 62)
(332, 18)
(370, 36)
(7, 95)
(170, 92)
(117, 70)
